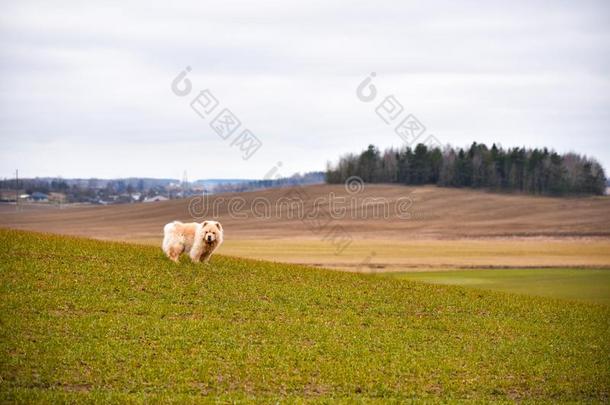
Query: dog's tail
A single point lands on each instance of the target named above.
(167, 232)
(168, 227)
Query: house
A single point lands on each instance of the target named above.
(39, 197)
(155, 198)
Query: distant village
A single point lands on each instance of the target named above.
(43, 190)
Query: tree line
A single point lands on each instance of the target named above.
(535, 171)
(296, 179)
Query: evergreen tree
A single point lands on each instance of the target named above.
(535, 171)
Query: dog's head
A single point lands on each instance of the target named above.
(211, 232)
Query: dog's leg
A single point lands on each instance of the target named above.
(175, 252)
(195, 255)
(195, 252)
(207, 254)
(205, 257)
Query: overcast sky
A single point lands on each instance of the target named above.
(85, 90)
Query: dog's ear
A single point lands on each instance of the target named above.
(204, 223)
(219, 226)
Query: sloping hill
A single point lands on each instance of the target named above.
(435, 213)
(99, 321)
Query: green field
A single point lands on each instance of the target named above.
(591, 285)
(100, 321)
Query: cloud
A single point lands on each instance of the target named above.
(85, 89)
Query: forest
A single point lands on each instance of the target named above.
(535, 171)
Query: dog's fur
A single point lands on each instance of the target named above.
(199, 241)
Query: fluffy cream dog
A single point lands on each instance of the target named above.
(199, 241)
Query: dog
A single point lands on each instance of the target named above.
(198, 240)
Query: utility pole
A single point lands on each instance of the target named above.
(185, 183)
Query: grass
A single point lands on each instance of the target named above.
(591, 285)
(101, 321)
